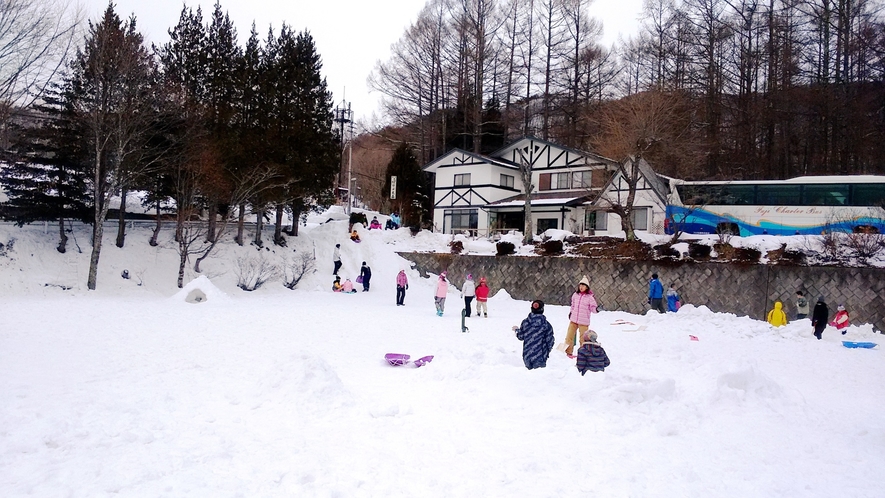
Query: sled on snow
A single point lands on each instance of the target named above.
(853, 345)
(398, 360)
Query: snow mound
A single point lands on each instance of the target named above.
(200, 290)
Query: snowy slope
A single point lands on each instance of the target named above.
(132, 391)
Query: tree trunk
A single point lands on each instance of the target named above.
(97, 232)
(528, 236)
(296, 215)
(62, 237)
(241, 223)
(259, 221)
(182, 260)
(213, 215)
(153, 242)
(278, 227)
(121, 225)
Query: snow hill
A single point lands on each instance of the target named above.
(137, 389)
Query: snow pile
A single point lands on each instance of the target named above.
(200, 290)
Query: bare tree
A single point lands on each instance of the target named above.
(35, 39)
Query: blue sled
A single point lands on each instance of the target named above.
(867, 345)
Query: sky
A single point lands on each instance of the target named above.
(351, 35)
(130, 390)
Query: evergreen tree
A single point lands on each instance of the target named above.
(411, 185)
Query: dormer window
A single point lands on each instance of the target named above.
(462, 180)
(565, 181)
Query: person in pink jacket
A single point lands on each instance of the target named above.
(442, 288)
(402, 283)
(583, 305)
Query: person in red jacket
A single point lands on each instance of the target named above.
(840, 321)
(482, 297)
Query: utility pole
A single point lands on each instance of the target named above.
(344, 118)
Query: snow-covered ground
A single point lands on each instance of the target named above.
(132, 391)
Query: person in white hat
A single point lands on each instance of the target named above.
(583, 305)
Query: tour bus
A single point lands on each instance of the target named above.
(798, 206)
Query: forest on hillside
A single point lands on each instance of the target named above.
(706, 89)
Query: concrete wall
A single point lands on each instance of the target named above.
(623, 285)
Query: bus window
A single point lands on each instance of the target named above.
(825, 195)
(870, 194)
(864, 229)
(784, 195)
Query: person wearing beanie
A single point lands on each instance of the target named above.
(819, 317)
(336, 285)
(439, 298)
(468, 292)
(591, 356)
(366, 274)
(536, 335)
(482, 298)
(656, 293)
(776, 316)
(583, 305)
(841, 321)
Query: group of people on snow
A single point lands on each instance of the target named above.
(819, 316)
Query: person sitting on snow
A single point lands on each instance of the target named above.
(776, 316)
(347, 287)
(336, 285)
(375, 224)
(355, 236)
(840, 321)
(395, 219)
(591, 356)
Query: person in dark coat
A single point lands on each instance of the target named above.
(536, 335)
(819, 317)
(591, 356)
(366, 273)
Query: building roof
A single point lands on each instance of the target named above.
(570, 198)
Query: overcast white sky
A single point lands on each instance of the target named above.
(351, 35)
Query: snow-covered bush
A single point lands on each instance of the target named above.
(253, 272)
(297, 268)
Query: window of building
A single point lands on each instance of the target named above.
(581, 179)
(640, 218)
(462, 180)
(507, 181)
(559, 181)
(596, 220)
(545, 224)
(461, 219)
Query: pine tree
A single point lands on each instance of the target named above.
(411, 184)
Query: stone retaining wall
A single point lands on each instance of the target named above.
(623, 284)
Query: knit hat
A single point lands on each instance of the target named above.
(482, 280)
(654, 275)
(443, 275)
(585, 281)
(337, 245)
(469, 276)
(538, 307)
(841, 307)
(821, 299)
(590, 336)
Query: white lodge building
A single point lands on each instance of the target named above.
(483, 194)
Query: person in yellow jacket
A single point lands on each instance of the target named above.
(777, 317)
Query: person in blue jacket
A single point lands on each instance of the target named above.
(673, 299)
(656, 293)
(536, 335)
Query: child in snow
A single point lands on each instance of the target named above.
(840, 321)
(801, 306)
(482, 298)
(656, 293)
(819, 317)
(402, 285)
(336, 285)
(468, 291)
(583, 305)
(439, 298)
(375, 224)
(365, 276)
(395, 219)
(354, 236)
(347, 287)
(591, 356)
(776, 316)
(672, 299)
(536, 335)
